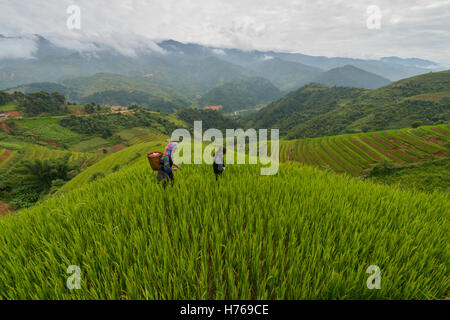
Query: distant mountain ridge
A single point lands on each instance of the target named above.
(106, 88)
(241, 94)
(191, 69)
(350, 76)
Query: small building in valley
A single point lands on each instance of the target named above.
(11, 115)
(116, 109)
(217, 108)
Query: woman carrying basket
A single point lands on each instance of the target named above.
(165, 171)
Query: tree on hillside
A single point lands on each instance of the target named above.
(28, 181)
(39, 102)
(5, 98)
(89, 108)
(210, 118)
(416, 124)
(39, 174)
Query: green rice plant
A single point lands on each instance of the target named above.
(369, 140)
(48, 129)
(361, 160)
(409, 149)
(29, 151)
(123, 157)
(431, 131)
(343, 159)
(416, 144)
(392, 147)
(327, 156)
(316, 156)
(357, 153)
(301, 234)
(90, 144)
(421, 142)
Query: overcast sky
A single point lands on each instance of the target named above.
(409, 28)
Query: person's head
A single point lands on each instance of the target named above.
(171, 147)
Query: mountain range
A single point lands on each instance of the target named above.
(193, 69)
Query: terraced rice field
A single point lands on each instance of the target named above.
(90, 145)
(300, 234)
(12, 152)
(7, 156)
(139, 135)
(355, 153)
(48, 129)
(149, 137)
(118, 160)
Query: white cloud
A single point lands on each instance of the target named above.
(418, 28)
(219, 51)
(17, 48)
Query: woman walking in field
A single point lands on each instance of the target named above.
(165, 171)
(218, 163)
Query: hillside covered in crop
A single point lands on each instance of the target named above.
(307, 234)
(356, 154)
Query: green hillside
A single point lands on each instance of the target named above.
(115, 162)
(133, 240)
(14, 152)
(209, 118)
(431, 82)
(47, 129)
(44, 86)
(113, 89)
(303, 105)
(356, 154)
(241, 94)
(57, 149)
(316, 110)
(350, 76)
(8, 107)
(428, 176)
(287, 75)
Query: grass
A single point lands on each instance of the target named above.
(428, 176)
(302, 234)
(12, 152)
(48, 129)
(437, 96)
(122, 159)
(128, 134)
(140, 135)
(357, 153)
(8, 107)
(90, 144)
